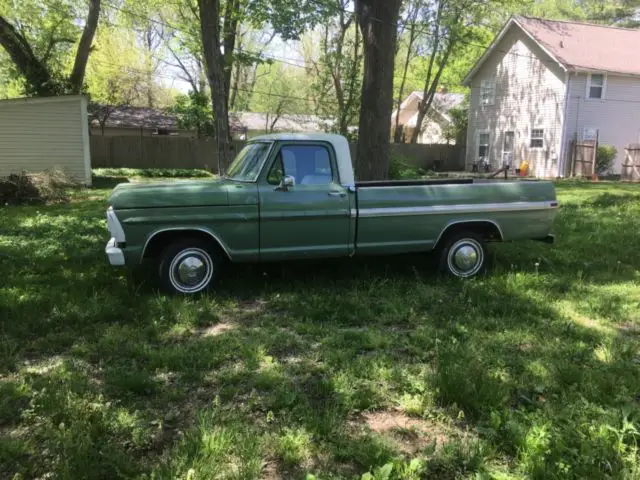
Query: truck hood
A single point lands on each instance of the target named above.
(181, 193)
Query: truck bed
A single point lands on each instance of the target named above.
(411, 215)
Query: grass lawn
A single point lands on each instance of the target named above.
(324, 370)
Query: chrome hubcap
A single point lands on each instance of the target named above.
(465, 257)
(191, 270)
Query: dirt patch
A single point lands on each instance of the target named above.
(411, 435)
(218, 329)
(270, 471)
(629, 328)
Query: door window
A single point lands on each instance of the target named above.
(308, 164)
(483, 145)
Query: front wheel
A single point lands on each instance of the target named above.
(463, 255)
(189, 267)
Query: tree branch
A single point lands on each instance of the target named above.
(34, 71)
(76, 79)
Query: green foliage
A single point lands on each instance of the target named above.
(117, 73)
(401, 169)
(40, 23)
(456, 131)
(280, 91)
(337, 81)
(150, 172)
(294, 446)
(605, 156)
(194, 112)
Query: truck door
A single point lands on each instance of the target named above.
(304, 211)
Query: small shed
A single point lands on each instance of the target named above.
(38, 134)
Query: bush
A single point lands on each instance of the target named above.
(35, 188)
(401, 169)
(605, 157)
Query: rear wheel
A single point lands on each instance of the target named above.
(463, 255)
(189, 267)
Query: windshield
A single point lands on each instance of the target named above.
(247, 164)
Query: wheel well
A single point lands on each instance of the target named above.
(159, 241)
(486, 229)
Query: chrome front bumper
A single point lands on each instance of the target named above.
(115, 254)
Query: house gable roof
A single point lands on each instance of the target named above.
(576, 46)
(442, 103)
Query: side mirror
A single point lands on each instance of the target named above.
(287, 182)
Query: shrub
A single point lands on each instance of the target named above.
(401, 169)
(35, 188)
(604, 158)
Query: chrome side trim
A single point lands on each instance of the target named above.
(471, 208)
(114, 226)
(185, 229)
(457, 222)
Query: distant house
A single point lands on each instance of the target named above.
(126, 120)
(543, 84)
(142, 121)
(435, 123)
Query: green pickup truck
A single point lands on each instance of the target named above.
(289, 196)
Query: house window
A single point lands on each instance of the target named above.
(537, 138)
(483, 145)
(595, 86)
(487, 91)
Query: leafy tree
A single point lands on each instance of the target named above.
(605, 156)
(280, 93)
(40, 40)
(337, 82)
(408, 42)
(194, 112)
(218, 29)
(452, 27)
(456, 131)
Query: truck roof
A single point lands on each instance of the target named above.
(338, 142)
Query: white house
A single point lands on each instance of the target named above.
(436, 121)
(38, 134)
(544, 83)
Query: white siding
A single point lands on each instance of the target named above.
(41, 133)
(616, 117)
(529, 94)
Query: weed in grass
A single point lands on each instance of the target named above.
(294, 447)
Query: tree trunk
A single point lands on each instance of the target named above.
(229, 33)
(34, 71)
(76, 79)
(214, 60)
(378, 22)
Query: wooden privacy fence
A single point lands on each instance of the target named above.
(631, 163)
(180, 152)
(154, 152)
(583, 161)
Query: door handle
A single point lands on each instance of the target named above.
(337, 194)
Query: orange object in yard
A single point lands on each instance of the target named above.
(524, 169)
